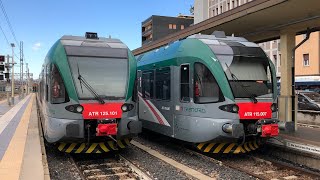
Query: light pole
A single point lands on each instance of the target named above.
(12, 77)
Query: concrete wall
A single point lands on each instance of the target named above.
(309, 117)
(201, 10)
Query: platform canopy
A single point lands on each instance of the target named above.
(258, 21)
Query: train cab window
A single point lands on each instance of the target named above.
(163, 84)
(147, 84)
(58, 90)
(184, 83)
(206, 89)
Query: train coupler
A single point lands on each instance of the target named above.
(106, 128)
(268, 127)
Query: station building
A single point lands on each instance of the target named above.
(307, 58)
(157, 27)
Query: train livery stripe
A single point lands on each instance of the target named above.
(102, 147)
(80, 149)
(71, 147)
(208, 148)
(92, 147)
(227, 147)
(160, 118)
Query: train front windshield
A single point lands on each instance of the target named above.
(248, 71)
(107, 76)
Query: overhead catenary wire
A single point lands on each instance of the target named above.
(8, 22)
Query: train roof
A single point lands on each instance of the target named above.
(216, 43)
(68, 40)
(98, 47)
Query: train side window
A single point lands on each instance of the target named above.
(147, 84)
(163, 84)
(184, 83)
(58, 90)
(206, 88)
(47, 71)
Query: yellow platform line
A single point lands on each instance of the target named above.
(10, 165)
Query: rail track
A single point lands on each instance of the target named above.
(260, 168)
(107, 167)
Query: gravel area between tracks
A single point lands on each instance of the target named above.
(155, 168)
(206, 165)
(60, 165)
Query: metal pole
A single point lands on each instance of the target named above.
(23, 93)
(12, 78)
(27, 71)
(21, 87)
(8, 95)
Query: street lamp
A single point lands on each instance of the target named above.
(12, 77)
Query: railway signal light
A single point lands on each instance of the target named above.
(6, 75)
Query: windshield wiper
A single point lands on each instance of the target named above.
(87, 85)
(235, 79)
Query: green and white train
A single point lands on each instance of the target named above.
(87, 95)
(215, 91)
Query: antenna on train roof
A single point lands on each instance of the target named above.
(91, 35)
(219, 34)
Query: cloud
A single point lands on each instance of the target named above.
(36, 46)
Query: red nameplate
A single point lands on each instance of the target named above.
(102, 111)
(255, 111)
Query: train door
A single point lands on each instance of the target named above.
(155, 106)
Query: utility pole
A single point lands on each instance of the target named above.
(21, 71)
(27, 71)
(8, 95)
(12, 79)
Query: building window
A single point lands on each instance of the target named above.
(182, 27)
(163, 84)
(170, 26)
(174, 26)
(184, 83)
(306, 61)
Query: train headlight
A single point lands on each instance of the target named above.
(79, 109)
(274, 107)
(124, 108)
(127, 107)
(233, 108)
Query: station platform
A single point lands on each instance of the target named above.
(20, 146)
(301, 146)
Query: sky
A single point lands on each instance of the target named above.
(40, 23)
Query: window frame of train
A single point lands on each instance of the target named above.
(218, 98)
(47, 71)
(146, 78)
(55, 76)
(163, 75)
(184, 83)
